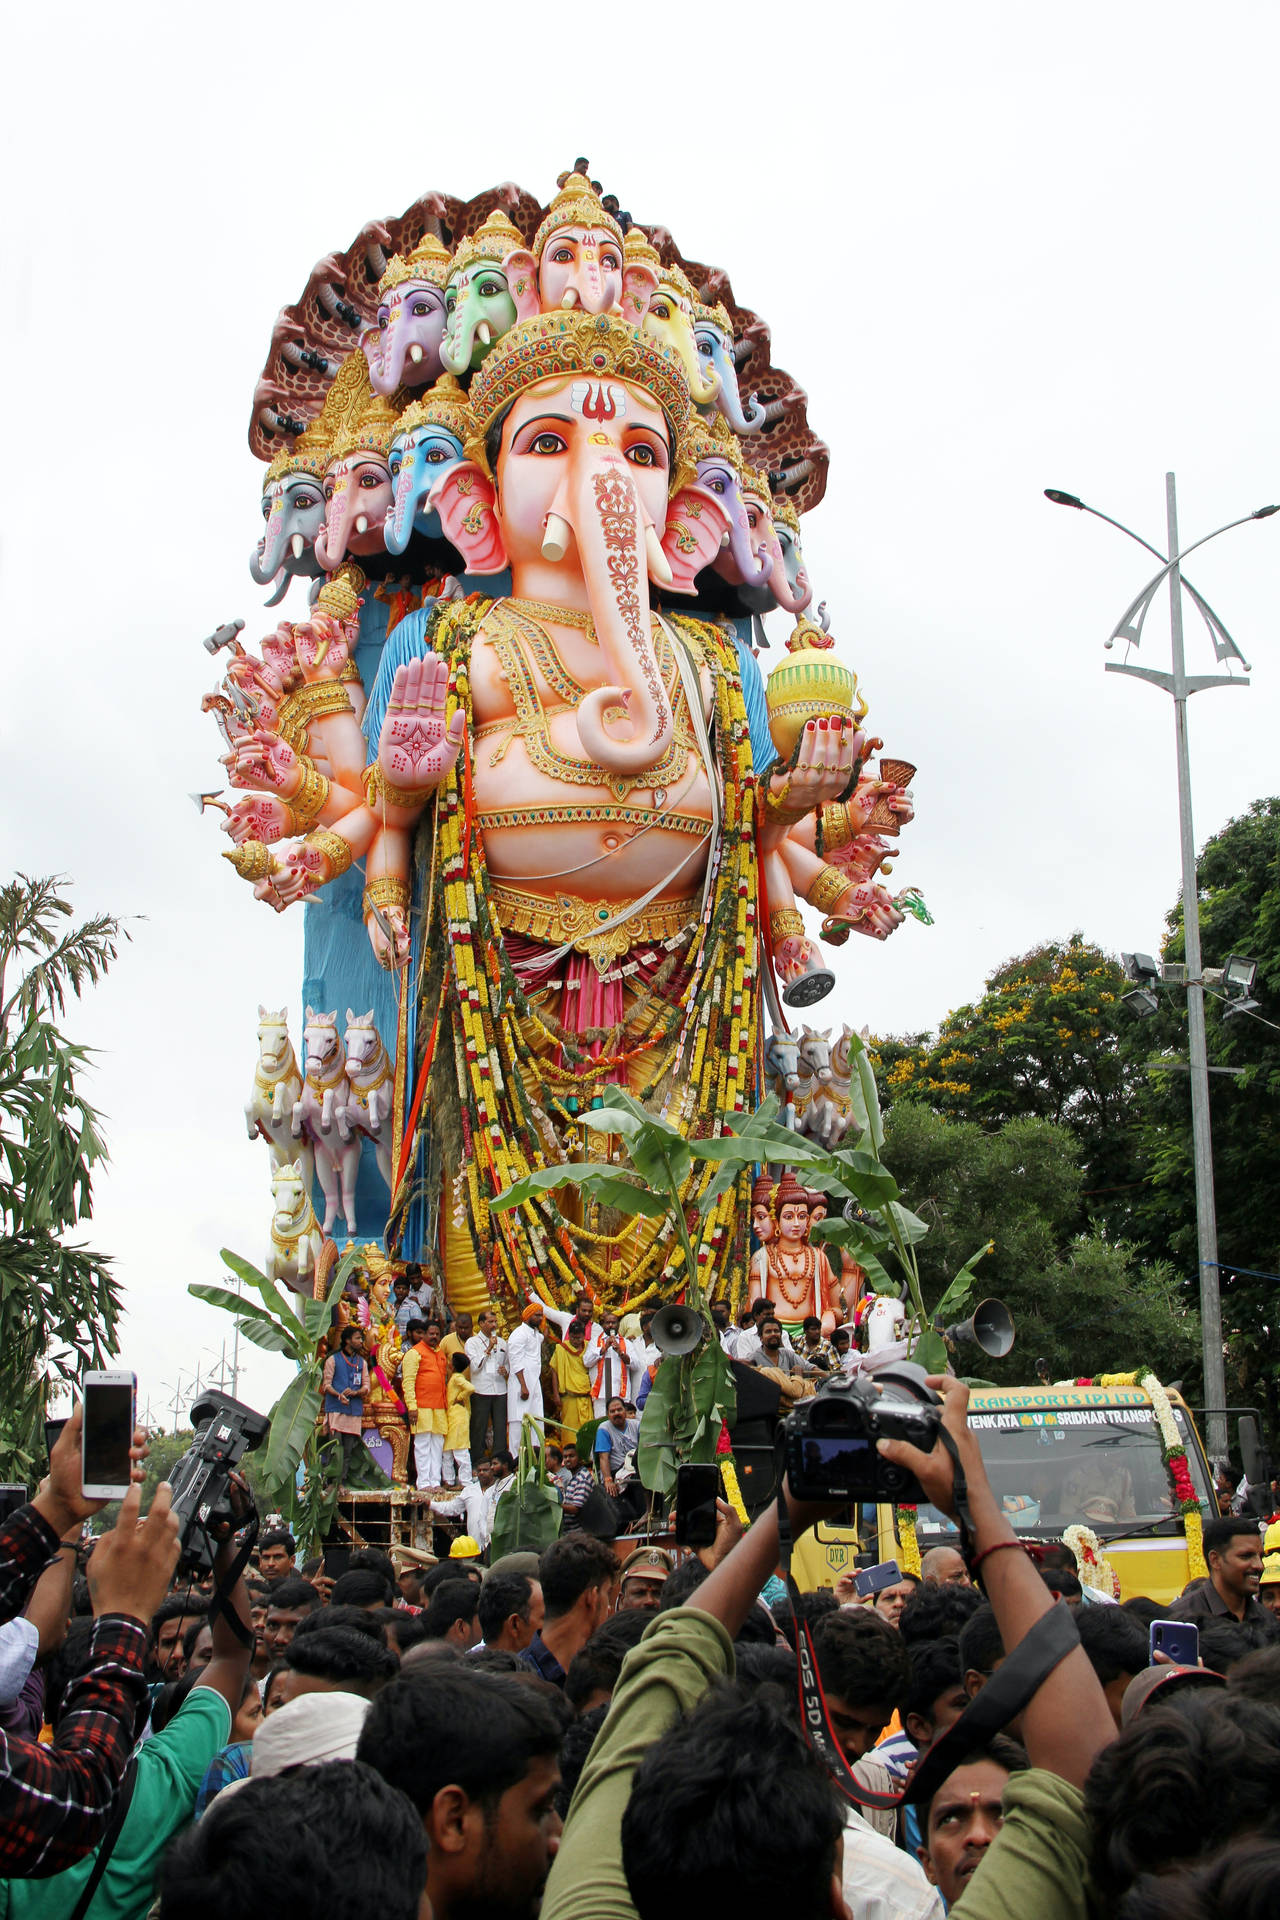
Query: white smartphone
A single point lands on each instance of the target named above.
(109, 1419)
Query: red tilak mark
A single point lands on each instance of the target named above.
(600, 403)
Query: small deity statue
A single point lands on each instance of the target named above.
(796, 1277)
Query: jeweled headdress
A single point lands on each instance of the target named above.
(446, 405)
(713, 316)
(713, 440)
(373, 429)
(679, 282)
(638, 249)
(564, 342)
(784, 510)
(576, 205)
(429, 261)
(757, 483)
(493, 241)
(310, 453)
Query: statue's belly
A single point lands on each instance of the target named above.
(550, 836)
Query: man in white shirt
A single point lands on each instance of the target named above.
(486, 1353)
(608, 1360)
(726, 1332)
(478, 1500)
(524, 1370)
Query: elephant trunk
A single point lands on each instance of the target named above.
(409, 490)
(752, 569)
(459, 343)
(386, 361)
(791, 597)
(608, 523)
(331, 541)
(729, 399)
(266, 562)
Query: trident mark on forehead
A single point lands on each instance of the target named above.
(598, 399)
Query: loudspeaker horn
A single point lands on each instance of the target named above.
(677, 1330)
(989, 1326)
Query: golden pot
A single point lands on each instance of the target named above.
(810, 684)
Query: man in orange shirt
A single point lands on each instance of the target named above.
(425, 1378)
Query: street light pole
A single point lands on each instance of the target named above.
(1215, 1382)
(1181, 685)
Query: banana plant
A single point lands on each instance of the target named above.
(692, 1395)
(294, 1326)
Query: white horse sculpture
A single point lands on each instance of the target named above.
(322, 1108)
(277, 1086)
(829, 1116)
(782, 1067)
(296, 1239)
(370, 1076)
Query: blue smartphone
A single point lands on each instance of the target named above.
(1178, 1640)
(873, 1580)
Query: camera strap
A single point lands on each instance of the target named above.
(220, 1600)
(1006, 1693)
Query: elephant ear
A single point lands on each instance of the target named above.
(521, 270)
(638, 282)
(464, 499)
(696, 525)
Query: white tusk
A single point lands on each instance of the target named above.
(483, 334)
(415, 353)
(659, 566)
(724, 539)
(362, 523)
(569, 298)
(299, 546)
(555, 540)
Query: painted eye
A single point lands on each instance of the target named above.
(266, 509)
(705, 349)
(370, 478)
(451, 301)
(563, 256)
(642, 455)
(435, 456)
(382, 316)
(610, 262)
(328, 489)
(717, 484)
(419, 308)
(547, 443)
(660, 310)
(305, 501)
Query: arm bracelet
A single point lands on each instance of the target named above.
(387, 891)
(308, 802)
(785, 923)
(377, 787)
(830, 886)
(334, 848)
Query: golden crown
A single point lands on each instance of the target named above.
(717, 316)
(638, 249)
(784, 509)
(309, 454)
(678, 280)
(714, 440)
(429, 261)
(576, 205)
(493, 241)
(445, 405)
(565, 342)
(756, 482)
(340, 596)
(373, 428)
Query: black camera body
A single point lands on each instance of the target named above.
(225, 1431)
(830, 1441)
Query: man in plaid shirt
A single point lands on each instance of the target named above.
(56, 1801)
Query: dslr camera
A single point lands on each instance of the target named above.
(830, 1441)
(225, 1431)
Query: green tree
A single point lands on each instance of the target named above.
(1082, 1303)
(1044, 1043)
(59, 1304)
(1238, 876)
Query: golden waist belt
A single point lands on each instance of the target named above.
(569, 922)
(603, 813)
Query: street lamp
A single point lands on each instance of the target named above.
(1180, 685)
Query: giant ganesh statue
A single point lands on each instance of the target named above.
(522, 733)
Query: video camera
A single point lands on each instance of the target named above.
(225, 1431)
(830, 1441)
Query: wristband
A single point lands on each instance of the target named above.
(72, 1546)
(999, 1547)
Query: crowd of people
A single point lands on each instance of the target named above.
(609, 1729)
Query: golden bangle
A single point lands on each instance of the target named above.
(831, 885)
(785, 923)
(377, 788)
(837, 828)
(299, 710)
(350, 671)
(252, 860)
(387, 891)
(334, 848)
(308, 803)
(778, 807)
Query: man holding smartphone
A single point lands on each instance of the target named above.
(56, 1801)
(1233, 1550)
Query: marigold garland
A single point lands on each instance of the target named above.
(1175, 1459)
(1092, 1564)
(904, 1519)
(689, 1043)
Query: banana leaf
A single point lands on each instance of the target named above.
(962, 1286)
(609, 1185)
(689, 1400)
(930, 1352)
(293, 1420)
(247, 1312)
(274, 1297)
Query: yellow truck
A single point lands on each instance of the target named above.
(1057, 1456)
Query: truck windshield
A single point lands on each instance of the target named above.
(1100, 1467)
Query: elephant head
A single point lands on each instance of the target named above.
(713, 331)
(478, 302)
(429, 441)
(744, 560)
(578, 254)
(293, 508)
(589, 413)
(404, 349)
(670, 319)
(357, 486)
(697, 528)
(789, 583)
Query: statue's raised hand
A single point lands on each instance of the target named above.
(829, 752)
(415, 750)
(263, 759)
(259, 816)
(321, 647)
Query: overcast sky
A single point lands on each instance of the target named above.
(1003, 247)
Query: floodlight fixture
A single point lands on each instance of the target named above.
(1140, 967)
(1239, 975)
(1240, 1004)
(1141, 1002)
